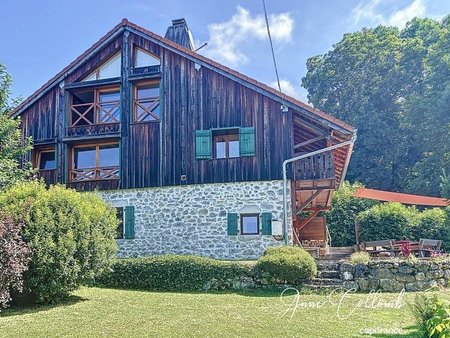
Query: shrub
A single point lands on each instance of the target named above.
(282, 249)
(71, 236)
(14, 258)
(361, 257)
(341, 217)
(432, 223)
(432, 316)
(290, 265)
(388, 220)
(172, 273)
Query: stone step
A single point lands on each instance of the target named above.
(326, 281)
(327, 266)
(328, 274)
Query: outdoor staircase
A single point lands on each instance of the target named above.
(328, 275)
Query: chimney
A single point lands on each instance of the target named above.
(180, 33)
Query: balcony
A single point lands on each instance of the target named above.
(94, 174)
(316, 167)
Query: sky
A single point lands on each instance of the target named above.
(39, 38)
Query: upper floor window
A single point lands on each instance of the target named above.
(95, 106)
(226, 145)
(144, 59)
(146, 106)
(45, 158)
(94, 162)
(109, 69)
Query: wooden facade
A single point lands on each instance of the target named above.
(195, 93)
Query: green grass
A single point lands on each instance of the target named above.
(95, 312)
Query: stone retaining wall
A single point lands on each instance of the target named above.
(393, 276)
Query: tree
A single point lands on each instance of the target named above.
(13, 147)
(445, 185)
(391, 85)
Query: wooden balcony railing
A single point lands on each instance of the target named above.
(315, 167)
(94, 174)
(102, 113)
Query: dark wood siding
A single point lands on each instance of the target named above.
(192, 98)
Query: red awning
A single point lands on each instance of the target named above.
(388, 196)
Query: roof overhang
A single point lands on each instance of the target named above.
(387, 196)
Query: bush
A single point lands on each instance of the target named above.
(360, 257)
(433, 223)
(282, 249)
(341, 217)
(388, 220)
(291, 265)
(14, 258)
(432, 316)
(172, 273)
(71, 236)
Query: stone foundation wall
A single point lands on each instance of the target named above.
(192, 219)
(394, 276)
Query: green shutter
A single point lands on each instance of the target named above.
(266, 220)
(202, 144)
(129, 222)
(247, 141)
(232, 224)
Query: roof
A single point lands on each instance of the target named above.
(125, 24)
(388, 196)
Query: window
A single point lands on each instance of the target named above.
(250, 224)
(95, 106)
(226, 145)
(45, 159)
(120, 227)
(145, 59)
(95, 162)
(109, 69)
(146, 106)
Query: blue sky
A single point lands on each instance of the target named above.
(41, 37)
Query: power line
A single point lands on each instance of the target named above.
(271, 45)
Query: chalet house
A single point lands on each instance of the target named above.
(195, 156)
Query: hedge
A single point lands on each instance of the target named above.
(172, 273)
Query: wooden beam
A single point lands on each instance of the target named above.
(309, 200)
(308, 219)
(317, 208)
(318, 138)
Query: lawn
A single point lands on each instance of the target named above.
(95, 312)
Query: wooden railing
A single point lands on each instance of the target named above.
(102, 112)
(94, 174)
(315, 167)
(90, 130)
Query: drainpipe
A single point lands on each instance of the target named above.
(290, 160)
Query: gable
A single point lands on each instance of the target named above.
(126, 26)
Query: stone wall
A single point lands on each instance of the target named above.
(192, 219)
(393, 276)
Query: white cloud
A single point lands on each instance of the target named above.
(370, 12)
(288, 88)
(401, 17)
(226, 38)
